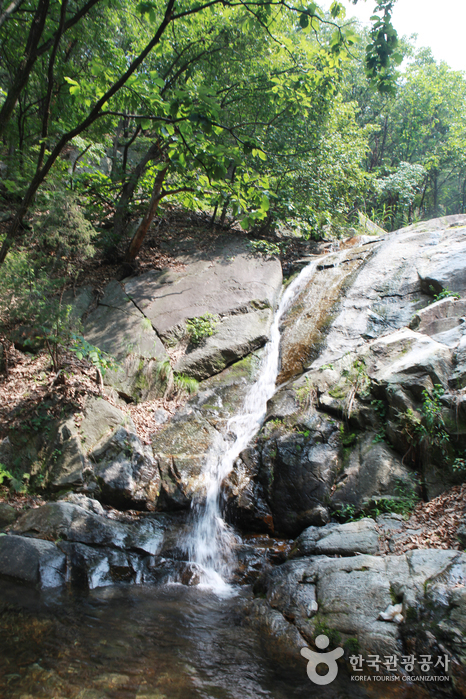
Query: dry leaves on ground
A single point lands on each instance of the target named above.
(433, 524)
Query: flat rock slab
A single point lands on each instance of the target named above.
(219, 281)
(236, 336)
(340, 539)
(119, 328)
(70, 522)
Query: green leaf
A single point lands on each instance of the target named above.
(304, 20)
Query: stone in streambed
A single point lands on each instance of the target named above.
(32, 561)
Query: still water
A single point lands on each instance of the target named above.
(166, 642)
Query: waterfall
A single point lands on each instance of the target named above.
(210, 543)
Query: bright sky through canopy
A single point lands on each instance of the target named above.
(441, 26)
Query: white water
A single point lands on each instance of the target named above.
(211, 542)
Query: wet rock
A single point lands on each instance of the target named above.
(283, 641)
(182, 445)
(305, 325)
(244, 499)
(180, 450)
(65, 520)
(70, 522)
(32, 561)
(297, 475)
(339, 539)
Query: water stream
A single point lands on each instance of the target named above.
(210, 543)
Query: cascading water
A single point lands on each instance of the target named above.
(210, 542)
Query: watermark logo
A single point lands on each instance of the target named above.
(389, 668)
(329, 659)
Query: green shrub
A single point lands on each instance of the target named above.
(201, 327)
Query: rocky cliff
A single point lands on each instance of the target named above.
(368, 418)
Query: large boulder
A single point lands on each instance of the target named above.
(239, 288)
(71, 522)
(339, 539)
(396, 282)
(126, 471)
(32, 561)
(99, 451)
(221, 281)
(183, 444)
(298, 469)
(117, 326)
(237, 336)
(354, 600)
(372, 471)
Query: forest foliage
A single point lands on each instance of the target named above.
(264, 112)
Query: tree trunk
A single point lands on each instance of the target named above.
(26, 65)
(128, 190)
(157, 196)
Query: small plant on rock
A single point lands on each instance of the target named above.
(444, 294)
(201, 327)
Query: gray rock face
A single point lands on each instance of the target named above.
(229, 282)
(32, 561)
(439, 317)
(221, 282)
(126, 471)
(70, 522)
(104, 455)
(119, 328)
(298, 470)
(372, 470)
(237, 336)
(64, 520)
(339, 539)
(395, 283)
(180, 447)
(245, 503)
(347, 595)
(304, 327)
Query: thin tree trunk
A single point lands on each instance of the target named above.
(128, 189)
(157, 196)
(26, 65)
